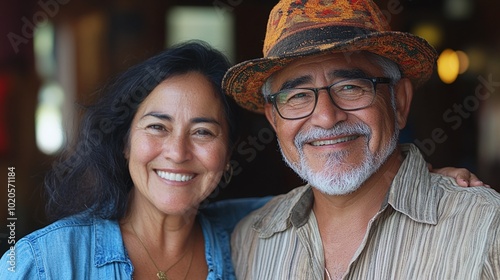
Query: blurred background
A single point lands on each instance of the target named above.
(55, 54)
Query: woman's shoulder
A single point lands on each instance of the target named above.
(71, 232)
(227, 213)
(57, 227)
(236, 207)
(64, 226)
(56, 249)
(48, 246)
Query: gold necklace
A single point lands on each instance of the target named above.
(162, 275)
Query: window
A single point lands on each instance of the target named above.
(202, 23)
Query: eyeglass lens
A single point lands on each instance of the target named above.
(348, 94)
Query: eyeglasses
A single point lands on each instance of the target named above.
(348, 95)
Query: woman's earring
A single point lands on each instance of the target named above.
(228, 174)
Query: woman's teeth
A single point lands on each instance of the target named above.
(174, 176)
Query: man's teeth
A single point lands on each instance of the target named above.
(334, 141)
(174, 176)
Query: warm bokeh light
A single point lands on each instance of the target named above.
(448, 66)
(463, 62)
(430, 32)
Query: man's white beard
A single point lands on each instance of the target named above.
(339, 177)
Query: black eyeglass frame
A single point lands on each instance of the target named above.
(375, 81)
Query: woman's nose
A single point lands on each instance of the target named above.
(177, 148)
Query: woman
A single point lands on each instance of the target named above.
(126, 198)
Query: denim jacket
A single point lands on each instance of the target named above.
(85, 247)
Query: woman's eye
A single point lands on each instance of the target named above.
(204, 132)
(156, 127)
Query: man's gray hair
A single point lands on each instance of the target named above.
(389, 67)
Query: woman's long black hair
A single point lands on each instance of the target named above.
(93, 174)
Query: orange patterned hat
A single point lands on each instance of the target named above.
(300, 28)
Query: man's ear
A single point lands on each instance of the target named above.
(270, 115)
(403, 91)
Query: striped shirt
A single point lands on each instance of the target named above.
(427, 228)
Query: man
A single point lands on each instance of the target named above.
(336, 85)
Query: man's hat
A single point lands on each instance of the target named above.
(301, 28)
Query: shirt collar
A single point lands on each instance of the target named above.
(108, 242)
(411, 193)
(293, 209)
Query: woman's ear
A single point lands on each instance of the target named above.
(403, 92)
(126, 153)
(126, 147)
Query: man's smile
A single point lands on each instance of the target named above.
(334, 141)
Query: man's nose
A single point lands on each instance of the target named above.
(327, 114)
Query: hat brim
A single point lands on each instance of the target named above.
(415, 57)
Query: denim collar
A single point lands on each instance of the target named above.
(108, 244)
